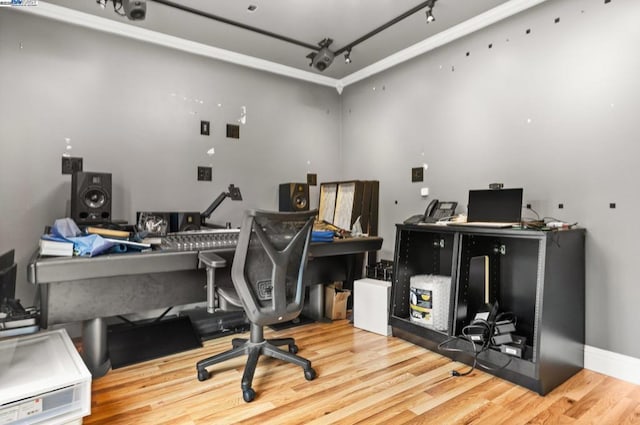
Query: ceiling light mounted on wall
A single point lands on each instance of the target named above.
(324, 57)
(429, 12)
(134, 10)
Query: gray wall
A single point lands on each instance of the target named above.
(554, 111)
(114, 98)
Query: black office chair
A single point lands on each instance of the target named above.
(267, 272)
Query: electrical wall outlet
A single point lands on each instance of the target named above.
(205, 174)
(204, 128)
(312, 179)
(71, 164)
(233, 131)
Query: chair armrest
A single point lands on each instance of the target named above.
(211, 259)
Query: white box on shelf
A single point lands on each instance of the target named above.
(429, 301)
(44, 380)
(371, 299)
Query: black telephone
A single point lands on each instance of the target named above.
(435, 211)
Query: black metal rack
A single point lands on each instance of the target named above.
(538, 276)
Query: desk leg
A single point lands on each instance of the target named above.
(315, 308)
(354, 266)
(94, 347)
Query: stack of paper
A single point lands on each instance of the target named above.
(56, 248)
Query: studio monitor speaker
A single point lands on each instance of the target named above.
(91, 197)
(184, 221)
(294, 197)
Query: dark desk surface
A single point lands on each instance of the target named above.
(61, 269)
(90, 289)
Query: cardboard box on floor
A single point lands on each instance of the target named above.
(335, 301)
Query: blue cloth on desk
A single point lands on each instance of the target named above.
(322, 236)
(65, 229)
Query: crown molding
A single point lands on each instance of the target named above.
(74, 17)
(467, 27)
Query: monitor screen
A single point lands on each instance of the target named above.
(6, 259)
(7, 283)
(495, 205)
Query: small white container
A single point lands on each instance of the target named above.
(371, 298)
(429, 301)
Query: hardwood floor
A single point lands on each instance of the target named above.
(363, 378)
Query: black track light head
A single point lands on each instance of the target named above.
(347, 56)
(429, 12)
(324, 57)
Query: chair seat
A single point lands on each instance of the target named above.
(229, 293)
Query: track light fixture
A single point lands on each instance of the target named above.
(321, 57)
(347, 56)
(134, 10)
(324, 57)
(429, 12)
(430, 17)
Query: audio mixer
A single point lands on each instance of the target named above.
(200, 240)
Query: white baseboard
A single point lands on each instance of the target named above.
(616, 365)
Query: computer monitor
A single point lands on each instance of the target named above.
(7, 276)
(495, 205)
(7, 259)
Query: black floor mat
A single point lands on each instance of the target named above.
(298, 321)
(130, 344)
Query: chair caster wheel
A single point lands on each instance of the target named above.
(310, 374)
(203, 375)
(248, 395)
(293, 349)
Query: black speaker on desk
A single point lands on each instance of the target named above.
(184, 221)
(91, 197)
(294, 197)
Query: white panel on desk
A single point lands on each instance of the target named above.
(371, 299)
(344, 205)
(327, 207)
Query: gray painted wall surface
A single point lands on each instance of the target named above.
(122, 104)
(554, 111)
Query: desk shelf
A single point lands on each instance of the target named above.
(537, 276)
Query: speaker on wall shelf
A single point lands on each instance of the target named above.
(91, 197)
(294, 197)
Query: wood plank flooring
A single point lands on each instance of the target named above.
(363, 378)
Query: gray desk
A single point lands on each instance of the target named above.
(90, 289)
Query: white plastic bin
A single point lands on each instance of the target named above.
(43, 380)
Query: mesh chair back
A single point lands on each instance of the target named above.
(269, 264)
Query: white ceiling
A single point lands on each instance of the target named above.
(307, 21)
